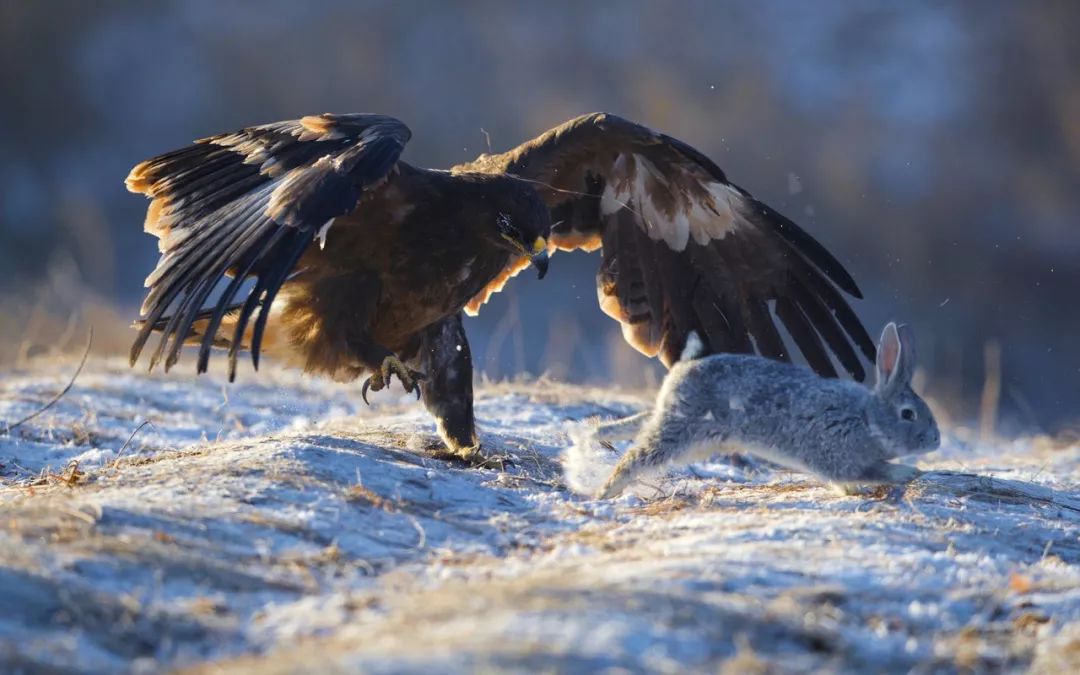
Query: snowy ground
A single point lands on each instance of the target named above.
(279, 526)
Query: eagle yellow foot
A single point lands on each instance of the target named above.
(410, 379)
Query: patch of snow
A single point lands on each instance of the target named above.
(280, 524)
(587, 463)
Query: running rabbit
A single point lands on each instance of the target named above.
(838, 430)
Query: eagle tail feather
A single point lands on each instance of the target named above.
(200, 326)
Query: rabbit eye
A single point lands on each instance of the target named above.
(907, 414)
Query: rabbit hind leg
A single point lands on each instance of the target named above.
(621, 429)
(661, 442)
(647, 455)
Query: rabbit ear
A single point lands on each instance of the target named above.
(895, 356)
(907, 351)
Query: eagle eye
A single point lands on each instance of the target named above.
(505, 226)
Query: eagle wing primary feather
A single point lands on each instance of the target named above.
(247, 205)
(686, 250)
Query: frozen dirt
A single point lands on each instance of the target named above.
(279, 525)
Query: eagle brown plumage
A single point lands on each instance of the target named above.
(310, 239)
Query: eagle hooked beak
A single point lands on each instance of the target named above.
(539, 257)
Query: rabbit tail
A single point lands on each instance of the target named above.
(693, 349)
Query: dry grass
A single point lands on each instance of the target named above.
(347, 542)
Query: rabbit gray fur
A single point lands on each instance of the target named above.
(837, 430)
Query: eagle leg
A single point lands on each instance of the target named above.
(447, 392)
(391, 365)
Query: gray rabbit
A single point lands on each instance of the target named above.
(837, 430)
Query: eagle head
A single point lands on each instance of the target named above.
(522, 224)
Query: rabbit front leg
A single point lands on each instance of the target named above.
(899, 473)
(887, 472)
(879, 473)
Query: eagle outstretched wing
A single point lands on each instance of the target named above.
(686, 250)
(247, 205)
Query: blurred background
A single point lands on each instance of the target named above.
(934, 147)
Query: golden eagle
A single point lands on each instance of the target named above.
(310, 239)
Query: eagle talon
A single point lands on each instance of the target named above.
(391, 366)
(374, 383)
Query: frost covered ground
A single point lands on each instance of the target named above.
(278, 525)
